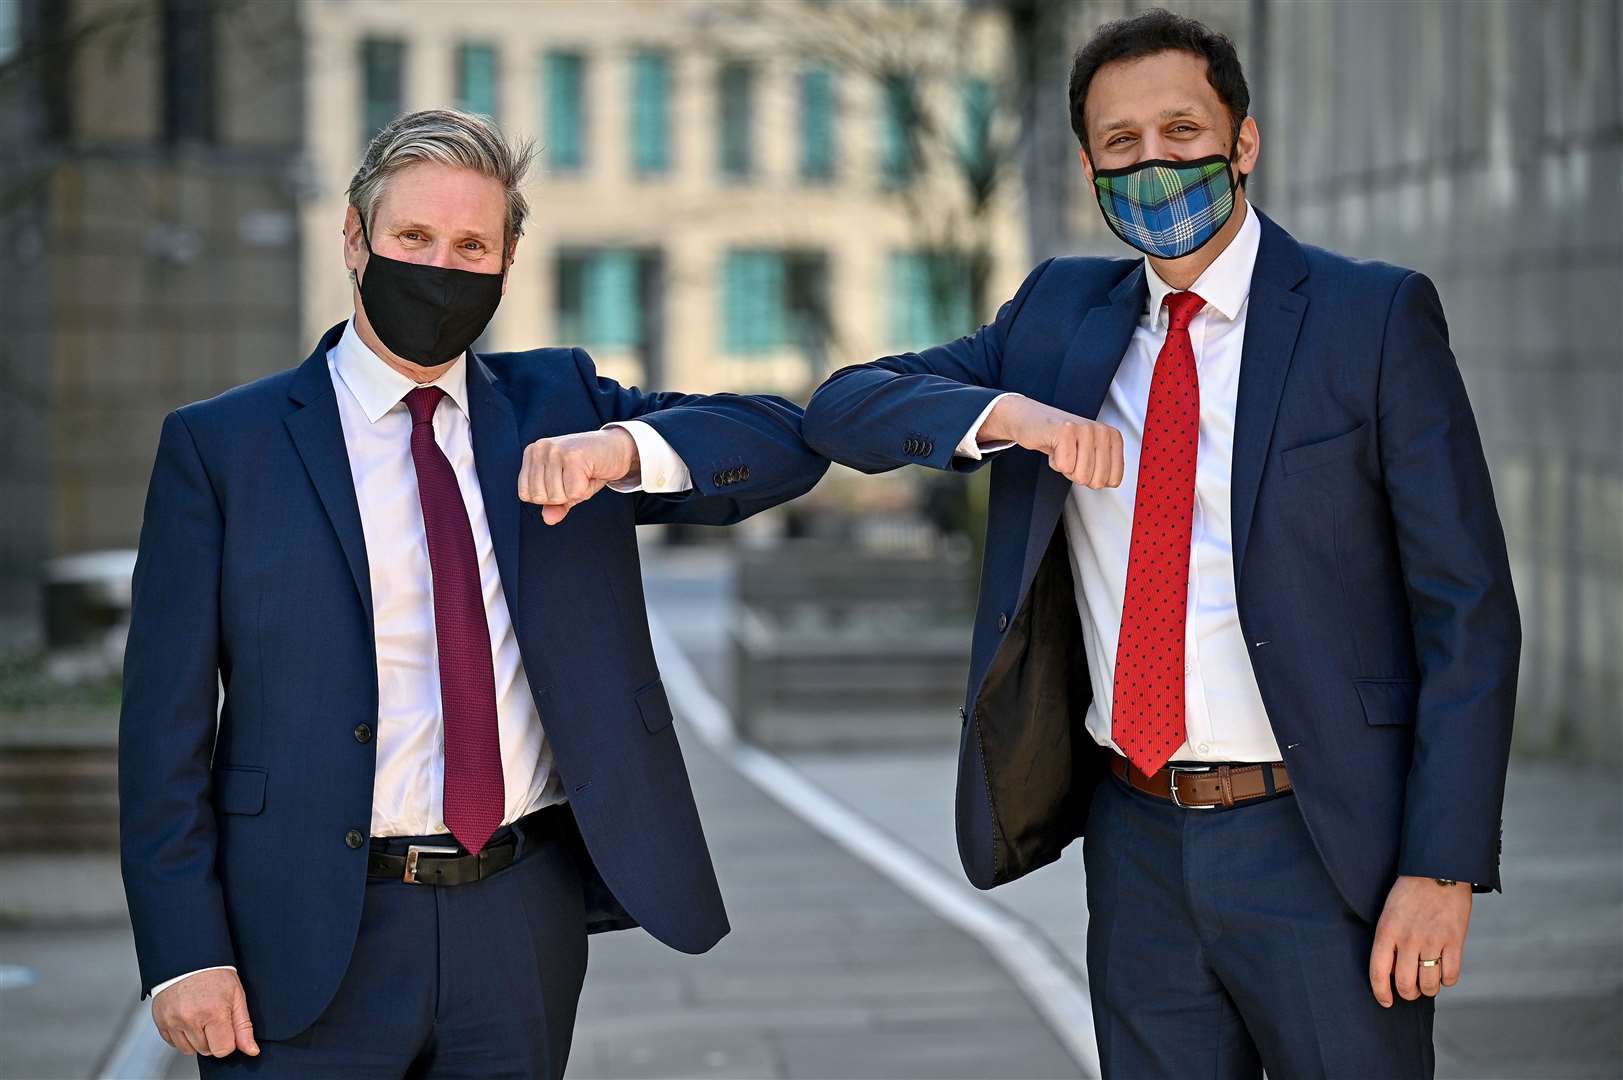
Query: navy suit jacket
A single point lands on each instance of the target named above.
(1371, 575)
(252, 576)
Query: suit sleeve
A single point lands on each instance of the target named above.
(743, 453)
(168, 721)
(914, 408)
(1466, 626)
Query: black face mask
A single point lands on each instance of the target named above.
(428, 315)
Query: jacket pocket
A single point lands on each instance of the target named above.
(1389, 702)
(654, 706)
(239, 789)
(1315, 454)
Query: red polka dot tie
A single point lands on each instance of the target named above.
(1147, 711)
(474, 787)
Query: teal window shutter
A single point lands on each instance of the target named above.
(564, 106)
(976, 103)
(734, 99)
(382, 84)
(612, 314)
(476, 79)
(753, 318)
(898, 135)
(928, 298)
(818, 108)
(650, 113)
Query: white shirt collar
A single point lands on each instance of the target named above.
(1226, 283)
(379, 387)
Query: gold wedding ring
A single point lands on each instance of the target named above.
(1431, 963)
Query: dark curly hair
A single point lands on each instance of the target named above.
(1151, 32)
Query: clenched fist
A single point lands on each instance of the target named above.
(561, 473)
(206, 1014)
(1084, 451)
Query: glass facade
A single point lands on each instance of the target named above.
(563, 96)
(650, 113)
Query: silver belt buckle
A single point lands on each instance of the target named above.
(412, 852)
(1173, 785)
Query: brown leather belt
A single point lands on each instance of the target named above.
(451, 864)
(1206, 787)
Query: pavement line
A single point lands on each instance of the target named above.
(1053, 986)
(140, 1052)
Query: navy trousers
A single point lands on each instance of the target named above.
(1218, 946)
(478, 980)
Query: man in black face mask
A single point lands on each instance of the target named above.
(444, 754)
(1246, 616)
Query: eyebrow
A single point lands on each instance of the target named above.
(1174, 113)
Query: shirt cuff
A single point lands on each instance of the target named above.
(662, 472)
(969, 447)
(167, 983)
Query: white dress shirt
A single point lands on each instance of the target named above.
(1225, 717)
(407, 789)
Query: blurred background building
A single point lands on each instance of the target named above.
(746, 195)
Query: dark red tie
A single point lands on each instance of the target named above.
(474, 793)
(1147, 711)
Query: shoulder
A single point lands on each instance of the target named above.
(1368, 286)
(529, 376)
(1074, 276)
(242, 407)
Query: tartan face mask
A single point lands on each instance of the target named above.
(1167, 209)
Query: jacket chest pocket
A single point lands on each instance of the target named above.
(1313, 455)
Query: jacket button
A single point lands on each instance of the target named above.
(1002, 622)
(363, 733)
(354, 838)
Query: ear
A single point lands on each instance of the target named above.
(354, 245)
(507, 265)
(1247, 146)
(1087, 166)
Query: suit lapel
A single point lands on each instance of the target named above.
(318, 434)
(1091, 359)
(496, 455)
(1273, 321)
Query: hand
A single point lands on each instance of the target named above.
(562, 473)
(1084, 451)
(206, 1014)
(1422, 920)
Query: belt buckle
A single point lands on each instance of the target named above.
(412, 852)
(1172, 784)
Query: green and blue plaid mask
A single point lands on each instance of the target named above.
(1167, 208)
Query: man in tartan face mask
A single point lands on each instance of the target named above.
(1246, 621)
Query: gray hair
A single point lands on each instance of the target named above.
(449, 137)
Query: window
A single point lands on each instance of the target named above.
(772, 300)
(188, 70)
(734, 95)
(818, 107)
(976, 102)
(898, 133)
(928, 298)
(601, 297)
(650, 113)
(564, 106)
(383, 64)
(476, 79)
(10, 33)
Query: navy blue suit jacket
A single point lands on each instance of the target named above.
(252, 575)
(1371, 575)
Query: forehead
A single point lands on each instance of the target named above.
(1147, 88)
(444, 197)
